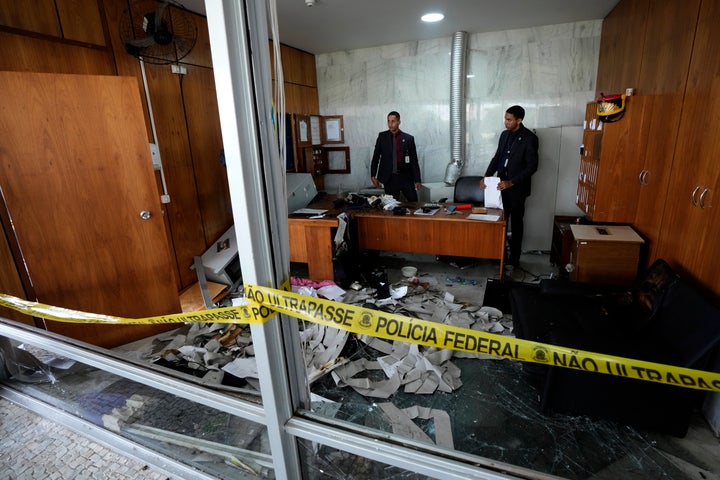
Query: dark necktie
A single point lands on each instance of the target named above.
(397, 152)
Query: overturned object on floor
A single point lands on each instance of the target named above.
(662, 319)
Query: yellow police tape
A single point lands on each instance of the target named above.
(265, 302)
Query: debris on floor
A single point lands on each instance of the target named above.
(222, 354)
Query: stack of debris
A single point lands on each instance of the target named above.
(221, 354)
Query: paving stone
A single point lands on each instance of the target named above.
(36, 448)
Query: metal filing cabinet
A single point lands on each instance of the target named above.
(604, 254)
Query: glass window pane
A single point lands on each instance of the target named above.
(327, 463)
(210, 440)
(493, 412)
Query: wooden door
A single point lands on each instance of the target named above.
(76, 173)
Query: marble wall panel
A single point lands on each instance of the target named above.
(549, 70)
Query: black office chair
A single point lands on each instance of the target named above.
(467, 190)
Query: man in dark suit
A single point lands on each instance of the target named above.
(395, 162)
(514, 162)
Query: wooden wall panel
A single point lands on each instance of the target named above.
(198, 88)
(621, 47)
(21, 53)
(301, 99)
(298, 66)
(125, 64)
(300, 80)
(200, 54)
(81, 21)
(183, 210)
(41, 18)
(185, 115)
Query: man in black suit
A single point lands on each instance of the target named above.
(395, 162)
(514, 162)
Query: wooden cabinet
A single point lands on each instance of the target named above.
(310, 134)
(621, 46)
(562, 241)
(612, 154)
(691, 223)
(663, 77)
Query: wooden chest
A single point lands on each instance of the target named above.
(604, 254)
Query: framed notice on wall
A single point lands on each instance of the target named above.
(333, 131)
(338, 159)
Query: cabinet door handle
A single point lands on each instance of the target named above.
(702, 197)
(643, 177)
(694, 200)
(640, 177)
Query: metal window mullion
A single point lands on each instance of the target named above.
(243, 85)
(405, 457)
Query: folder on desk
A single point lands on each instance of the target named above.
(309, 211)
(482, 216)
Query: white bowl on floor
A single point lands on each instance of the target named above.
(409, 272)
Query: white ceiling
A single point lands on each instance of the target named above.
(335, 25)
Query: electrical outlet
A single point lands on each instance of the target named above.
(180, 70)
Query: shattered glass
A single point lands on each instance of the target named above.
(482, 406)
(492, 406)
(327, 463)
(216, 442)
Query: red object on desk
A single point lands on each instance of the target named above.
(464, 206)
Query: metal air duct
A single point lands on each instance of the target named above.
(457, 107)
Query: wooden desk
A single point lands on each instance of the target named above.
(439, 234)
(311, 242)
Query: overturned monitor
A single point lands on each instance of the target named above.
(300, 190)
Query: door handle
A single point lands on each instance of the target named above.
(702, 197)
(640, 177)
(694, 200)
(145, 214)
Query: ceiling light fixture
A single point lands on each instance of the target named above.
(432, 17)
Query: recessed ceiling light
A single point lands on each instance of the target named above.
(432, 17)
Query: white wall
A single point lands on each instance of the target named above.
(549, 70)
